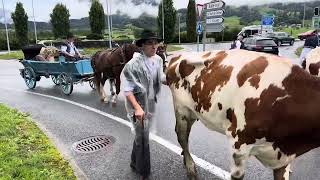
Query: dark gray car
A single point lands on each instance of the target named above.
(281, 38)
(260, 44)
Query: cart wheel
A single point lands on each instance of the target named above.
(55, 79)
(92, 84)
(65, 83)
(29, 77)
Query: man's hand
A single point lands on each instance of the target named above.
(139, 114)
(138, 111)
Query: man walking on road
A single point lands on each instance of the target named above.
(142, 77)
(309, 44)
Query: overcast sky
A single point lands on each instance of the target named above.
(80, 8)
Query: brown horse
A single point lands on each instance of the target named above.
(162, 52)
(108, 64)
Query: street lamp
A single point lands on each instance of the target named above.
(34, 24)
(5, 24)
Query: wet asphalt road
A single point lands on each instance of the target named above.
(66, 123)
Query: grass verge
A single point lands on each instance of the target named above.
(173, 48)
(91, 51)
(298, 51)
(25, 151)
(12, 55)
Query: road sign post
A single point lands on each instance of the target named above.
(199, 26)
(267, 23)
(213, 12)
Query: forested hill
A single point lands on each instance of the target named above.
(290, 13)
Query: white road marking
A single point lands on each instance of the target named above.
(215, 170)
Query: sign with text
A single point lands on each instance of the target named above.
(215, 20)
(215, 5)
(267, 23)
(219, 12)
(214, 11)
(315, 22)
(216, 28)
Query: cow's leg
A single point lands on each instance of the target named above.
(183, 127)
(238, 165)
(282, 173)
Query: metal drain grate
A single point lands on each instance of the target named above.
(93, 144)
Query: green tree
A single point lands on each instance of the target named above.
(20, 20)
(60, 21)
(96, 17)
(191, 21)
(169, 20)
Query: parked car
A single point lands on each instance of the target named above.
(307, 34)
(281, 38)
(261, 44)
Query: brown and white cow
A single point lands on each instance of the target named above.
(267, 107)
(313, 62)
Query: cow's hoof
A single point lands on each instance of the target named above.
(192, 177)
(192, 172)
(105, 100)
(237, 178)
(114, 104)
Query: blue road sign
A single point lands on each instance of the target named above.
(267, 20)
(199, 28)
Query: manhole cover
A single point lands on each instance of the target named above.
(93, 144)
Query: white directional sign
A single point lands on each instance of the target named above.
(215, 5)
(215, 20)
(216, 28)
(215, 13)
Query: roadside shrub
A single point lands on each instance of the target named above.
(14, 43)
(95, 36)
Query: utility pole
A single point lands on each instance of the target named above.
(34, 24)
(304, 14)
(179, 15)
(109, 28)
(110, 13)
(5, 24)
(162, 21)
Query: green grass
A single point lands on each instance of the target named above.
(91, 51)
(173, 48)
(12, 55)
(298, 51)
(294, 31)
(25, 152)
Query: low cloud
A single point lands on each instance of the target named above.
(8, 16)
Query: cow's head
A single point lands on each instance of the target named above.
(313, 62)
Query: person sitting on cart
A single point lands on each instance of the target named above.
(69, 49)
(48, 53)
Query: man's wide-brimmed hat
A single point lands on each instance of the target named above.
(146, 35)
